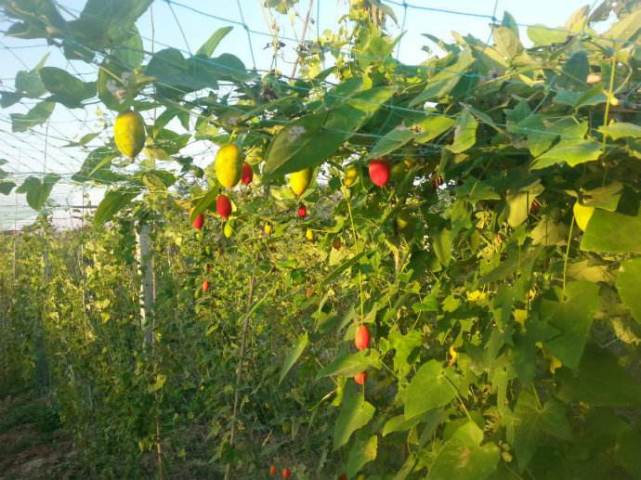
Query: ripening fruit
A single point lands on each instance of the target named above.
(228, 165)
(228, 231)
(129, 133)
(299, 181)
(361, 339)
(268, 229)
(205, 286)
(343, 476)
(360, 378)
(309, 234)
(593, 78)
(302, 211)
(403, 221)
(437, 181)
(273, 471)
(350, 176)
(247, 174)
(223, 206)
(286, 473)
(379, 172)
(198, 221)
(582, 215)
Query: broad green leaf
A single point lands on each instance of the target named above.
(575, 71)
(547, 232)
(600, 382)
(618, 130)
(29, 82)
(530, 422)
(542, 36)
(442, 245)
(506, 42)
(37, 190)
(400, 424)
(6, 186)
(429, 388)
(21, 122)
(208, 48)
(130, 54)
(432, 127)
(312, 139)
(204, 203)
(606, 197)
(294, 355)
(112, 203)
(391, 141)
(463, 457)
(443, 82)
(612, 232)
(572, 153)
(626, 28)
(578, 20)
(349, 364)
(361, 453)
(403, 346)
(629, 286)
(355, 414)
(572, 316)
(464, 133)
(97, 167)
(159, 382)
(66, 89)
(520, 203)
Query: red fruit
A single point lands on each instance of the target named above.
(361, 339)
(437, 181)
(360, 378)
(273, 471)
(302, 211)
(286, 473)
(379, 172)
(223, 206)
(343, 476)
(198, 221)
(247, 174)
(205, 286)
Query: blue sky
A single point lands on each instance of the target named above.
(26, 152)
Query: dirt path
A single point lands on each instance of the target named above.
(32, 445)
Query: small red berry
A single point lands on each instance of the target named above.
(205, 286)
(223, 206)
(360, 378)
(361, 339)
(379, 172)
(273, 471)
(286, 473)
(247, 174)
(302, 211)
(198, 221)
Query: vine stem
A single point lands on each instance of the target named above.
(567, 255)
(606, 115)
(360, 274)
(302, 37)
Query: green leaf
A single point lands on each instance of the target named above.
(629, 285)
(159, 382)
(97, 167)
(361, 453)
(208, 48)
(575, 71)
(530, 423)
(572, 316)
(547, 232)
(429, 388)
(66, 89)
(130, 54)
(507, 42)
(29, 82)
(442, 244)
(204, 203)
(625, 28)
(443, 82)
(542, 36)
(349, 364)
(403, 346)
(37, 190)
(294, 355)
(519, 203)
(6, 187)
(391, 141)
(355, 414)
(400, 424)
(463, 457)
(464, 133)
(600, 382)
(433, 126)
(21, 122)
(112, 203)
(612, 232)
(570, 152)
(311, 140)
(618, 130)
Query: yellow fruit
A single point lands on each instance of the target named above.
(582, 215)
(299, 181)
(228, 165)
(403, 220)
(129, 133)
(228, 231)
(309, 234)
(268, 229)
(350, 176)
